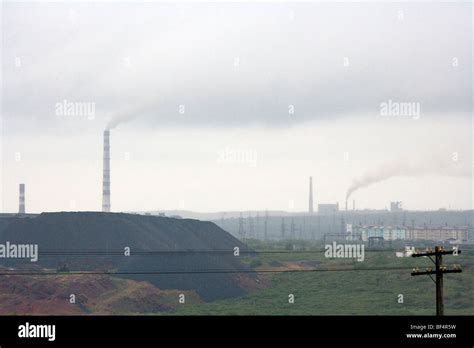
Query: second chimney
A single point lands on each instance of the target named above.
(21, 209)
(106, 174)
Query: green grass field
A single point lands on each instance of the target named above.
(358, 291)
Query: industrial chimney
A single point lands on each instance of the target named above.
(310, 210)
(353, 204)
(21, 209)
(106, 174)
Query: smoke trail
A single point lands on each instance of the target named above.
(126, 115)
(434, 166)
(114, 122)
(134, 110)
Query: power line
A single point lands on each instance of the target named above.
(152, 252)
(29, 273)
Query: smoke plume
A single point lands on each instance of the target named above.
(433, 166)
(124, 115)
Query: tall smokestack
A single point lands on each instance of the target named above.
(106, 174)
(353, 204)
(21, 209)
(310, 210)
(346, 204)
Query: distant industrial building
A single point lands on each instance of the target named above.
(353, 205)
(328, 208)
(390, 233)
(396, 206)
(385, 232)
(438, 233)
(409, 251)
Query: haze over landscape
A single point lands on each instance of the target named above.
(232, 106)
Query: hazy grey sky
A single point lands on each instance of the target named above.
(233, 106)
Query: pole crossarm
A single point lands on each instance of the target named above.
(439, 270)
(434, 253)
(417, 273)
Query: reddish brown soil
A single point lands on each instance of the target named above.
(95, 294)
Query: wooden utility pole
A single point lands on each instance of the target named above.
(439, 271)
